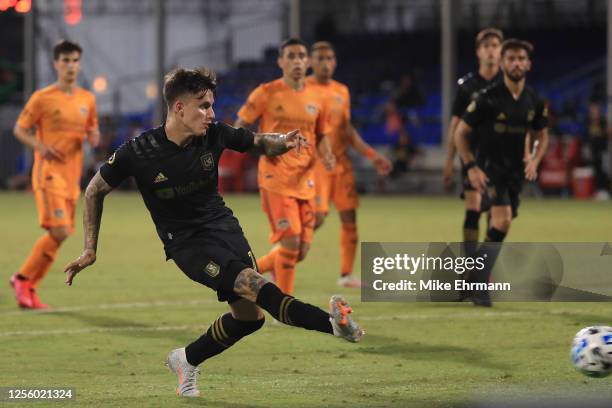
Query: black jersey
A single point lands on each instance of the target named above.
(503, 123)
(468, 88)
(179, 184)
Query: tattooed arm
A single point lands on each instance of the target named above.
(92, 215)
(275, 144)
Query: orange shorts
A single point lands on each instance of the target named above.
(288, 216)
(54, 210)
(337, 186)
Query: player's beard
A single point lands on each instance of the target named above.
(516, 77)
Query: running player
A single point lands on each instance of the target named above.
(504, 114)
(286, 183)
(176, 170)
(338, 185)
(63, 116)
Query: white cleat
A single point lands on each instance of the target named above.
(349, 281)
(343, 324)
(185, 373)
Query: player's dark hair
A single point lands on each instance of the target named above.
(182, 81)
(288, 42)
(322, 45)
(516, 44)
(65, 47)
(487, 33)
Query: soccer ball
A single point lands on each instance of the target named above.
(592, 351)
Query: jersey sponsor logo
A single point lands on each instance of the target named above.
(84, 111)
(212, 269)
(279, 109)
(471, 107)
(530, 115)
(160, 178)
(311, 109)
(501, 116)
(207, 161)
(58, 213)
(165, 193)
(111, 159)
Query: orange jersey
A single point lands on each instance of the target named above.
(62, 121)
(338, 100)
(280, 108)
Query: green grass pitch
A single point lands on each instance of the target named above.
(109, 334)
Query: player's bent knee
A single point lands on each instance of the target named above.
(248, 283)
(291, 242)
(59, 235)
(348, 217)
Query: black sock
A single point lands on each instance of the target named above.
(222, 334)
(291, 311)
(495, 235)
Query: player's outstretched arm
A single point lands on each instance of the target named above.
(275, 144)
(92, 216)
(382, 165)
(477, 177)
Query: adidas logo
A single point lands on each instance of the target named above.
(501, 116)
(160, 177)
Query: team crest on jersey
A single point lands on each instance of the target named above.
(84, 110)
(530, 115)
(282, 224)
(58, 213)
(311, 109)
(212, 269)
(207, 161)
(471, 107)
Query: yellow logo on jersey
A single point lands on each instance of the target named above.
(471, 107)
(212, 269)
(160, 177)
(501, 116)
(111, 160)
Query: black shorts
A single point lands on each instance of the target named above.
(214, 259)
(504, 191)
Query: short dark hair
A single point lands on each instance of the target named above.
(181, 81)
(322, 45)
(288, 42)
(65, 47)
(516, 44)
(488, 33)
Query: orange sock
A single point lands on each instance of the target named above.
(284, 268)
(40, 259)
(266, 262)
(348, 248)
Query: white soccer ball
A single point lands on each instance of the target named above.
(592, 351)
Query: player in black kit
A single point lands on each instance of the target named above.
(488, 47)
(503, 114)
(176, 170)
